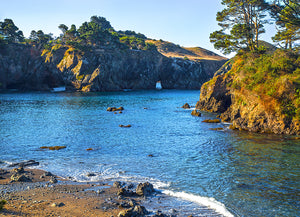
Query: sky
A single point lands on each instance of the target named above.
(184, 22)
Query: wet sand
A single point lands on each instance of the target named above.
(39, 197)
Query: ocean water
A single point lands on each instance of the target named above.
(200, 171)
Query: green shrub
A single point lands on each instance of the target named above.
(2, 203)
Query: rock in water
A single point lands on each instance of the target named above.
(125, 126)
(145, 189)
(196, 113)
(186, 106)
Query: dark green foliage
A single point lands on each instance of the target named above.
(132, 33)
(2, 203)
(98, 32)
(286, 14)
(244, 20)
(10, 32)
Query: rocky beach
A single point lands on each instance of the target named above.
(34, 192)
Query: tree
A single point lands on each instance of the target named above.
(242, 22)
(10, 31)
(101, 22)
(33, 36)
(72, 32)
(96, 31)
(287, 16)
(63, 28)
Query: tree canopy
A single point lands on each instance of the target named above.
(243, 21)
(10, 31)
(98, 32)
(287, 16)
(241, 24)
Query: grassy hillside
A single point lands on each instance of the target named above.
(169, 49)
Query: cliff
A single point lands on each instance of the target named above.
(98, 68)
(260, 93)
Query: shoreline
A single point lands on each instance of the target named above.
(39, 195)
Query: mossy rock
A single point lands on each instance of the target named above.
(212, 121)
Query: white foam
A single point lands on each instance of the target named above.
(205, 201)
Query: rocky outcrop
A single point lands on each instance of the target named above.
(144, 189)
(22, 67)
(215, 95)
(254, 110)
(26, 67)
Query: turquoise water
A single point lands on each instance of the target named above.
(250, 174)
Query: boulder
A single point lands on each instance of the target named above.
(137, 211)
(145, 189)
(20, 178)
(53, 180)
(196, 113)
(186, 106)
(117, 184)
(19, 170)
(124, 192)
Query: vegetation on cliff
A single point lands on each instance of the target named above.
(259, 89)
(273, 78)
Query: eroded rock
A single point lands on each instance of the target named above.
(145, 189)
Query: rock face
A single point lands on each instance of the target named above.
(22, 67)
(26, 67)
(250, 109)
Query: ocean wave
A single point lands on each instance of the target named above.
(204, 201)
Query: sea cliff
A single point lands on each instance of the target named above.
(260, 93)
(28, 67)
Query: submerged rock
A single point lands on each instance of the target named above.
(53, 147)
(125, 126)
(212, 121)
(114, 109)
(25, 164)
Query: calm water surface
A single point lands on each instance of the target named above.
(251, 174)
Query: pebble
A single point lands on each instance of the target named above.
(57, 204)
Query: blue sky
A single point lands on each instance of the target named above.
(184, 22)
